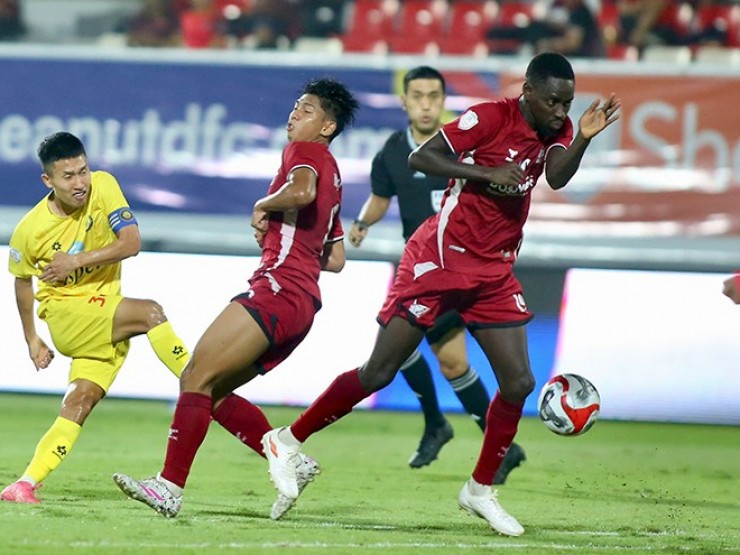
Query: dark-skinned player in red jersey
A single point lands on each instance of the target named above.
(298, 227)
(462, 259)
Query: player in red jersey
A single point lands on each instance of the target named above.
(462, 259)
(298, 227)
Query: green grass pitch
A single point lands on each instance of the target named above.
(621, 488)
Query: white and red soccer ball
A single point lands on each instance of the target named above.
(569, 404)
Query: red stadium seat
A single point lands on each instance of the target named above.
(469, 21)
(422, 19)
(371, 23)
(511, 14)
(722, 17)
(372, 18)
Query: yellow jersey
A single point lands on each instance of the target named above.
(40, 234)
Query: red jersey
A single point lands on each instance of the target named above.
(480, 224)
(295, 239)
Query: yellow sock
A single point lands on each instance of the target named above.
(53, 448)
(169, 347)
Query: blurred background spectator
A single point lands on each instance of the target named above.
(265, 22)
(11, 24)
(155, 25)
(569, 27)
(322, 18)
(202, 25)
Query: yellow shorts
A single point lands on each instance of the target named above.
(81, 328)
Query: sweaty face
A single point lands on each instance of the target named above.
(548, 104)
(308, 121)
(70, 180)
(424, 101)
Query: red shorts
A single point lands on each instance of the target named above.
(481, 301)
(285, 312)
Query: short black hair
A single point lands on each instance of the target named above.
(549, 64)
(59, 146)
(336, 100)
(423, 72)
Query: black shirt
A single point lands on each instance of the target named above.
(419, 195)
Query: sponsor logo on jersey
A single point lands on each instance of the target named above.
(15, 255)
(468, 120)
(77, 247)
(88, 224)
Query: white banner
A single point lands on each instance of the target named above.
(193, 289)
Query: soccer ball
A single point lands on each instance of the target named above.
(569, 404)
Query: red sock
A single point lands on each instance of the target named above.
(244, 420)
(335, 402)
(502, 421)
(187, 432)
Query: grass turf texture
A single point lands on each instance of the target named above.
(622, 487)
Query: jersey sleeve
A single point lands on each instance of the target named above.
(337, 231)
(474, 127)
(381, 183)
(21, 263)
(564, 137)
(114, 203)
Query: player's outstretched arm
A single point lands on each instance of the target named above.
(40, 354)
(433, 158)
(372, 212)
(333, 257)
(562, 163)
(126, 244)
(731, 289)
(597, 118)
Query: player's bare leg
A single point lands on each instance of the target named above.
(222, 360)
(393, 345)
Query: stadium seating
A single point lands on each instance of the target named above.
(421, 24)
(371, 23)
(465, 34)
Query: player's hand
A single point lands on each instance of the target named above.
(730, 289)
(61, 265)
(508, 175)
(260, 223)
(40, 354)
(597, 118)
(357, 234)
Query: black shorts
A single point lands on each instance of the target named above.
(443, 325)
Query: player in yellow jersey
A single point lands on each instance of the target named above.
(73, 242)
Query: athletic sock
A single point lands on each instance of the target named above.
(187, 432)
(472, 394)
(335, 402)
(244, 420)
(52, 449)
(419, 377)
(502, 422)
(168, 347)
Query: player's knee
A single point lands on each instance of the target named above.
(375, 377)
(155, 314)
(453, 369)
(518, 388)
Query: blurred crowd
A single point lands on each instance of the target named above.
(578, 28)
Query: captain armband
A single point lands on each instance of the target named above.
(118, 219)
